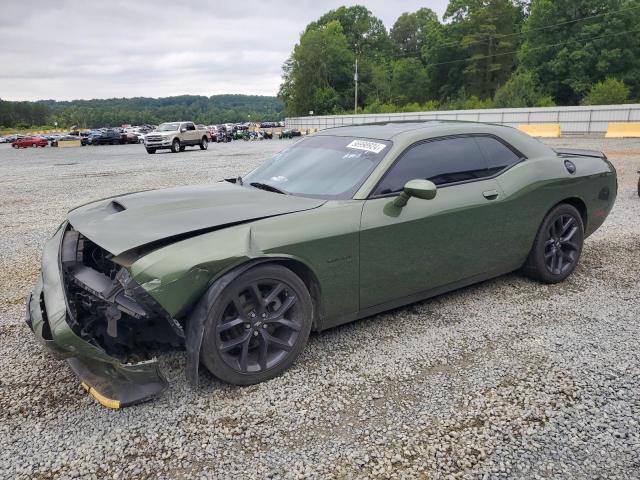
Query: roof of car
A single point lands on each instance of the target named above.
(390, 130)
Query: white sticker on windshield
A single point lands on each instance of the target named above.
(367, 146)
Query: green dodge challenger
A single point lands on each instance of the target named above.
(341, 225)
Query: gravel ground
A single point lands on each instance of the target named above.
(509, 378)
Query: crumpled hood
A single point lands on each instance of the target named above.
(129, 221)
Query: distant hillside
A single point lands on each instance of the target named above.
(141, 110)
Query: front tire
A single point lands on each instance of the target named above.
(151, 150)
(175, 146)
(557, 247)
(258, 326)
(204, 143)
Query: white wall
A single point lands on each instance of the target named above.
(573, 120)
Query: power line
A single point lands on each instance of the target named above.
(546, 27)
(534, 48)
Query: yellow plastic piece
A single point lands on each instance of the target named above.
(622, 130)
(69, 143)
(547, 130)
(102, 400)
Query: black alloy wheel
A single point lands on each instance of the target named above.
(560, 251)
(558, 245)
(258, 326)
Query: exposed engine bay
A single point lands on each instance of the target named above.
(108, 308)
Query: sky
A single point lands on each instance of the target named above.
(66, 50)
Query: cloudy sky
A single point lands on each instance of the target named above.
(66, 50)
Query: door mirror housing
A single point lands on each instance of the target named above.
(424, 189)
(183, 129)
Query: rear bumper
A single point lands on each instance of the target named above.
(112, 383)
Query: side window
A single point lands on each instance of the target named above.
(191, 126)
(497, 154)
(441, 161)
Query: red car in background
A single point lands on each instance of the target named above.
(30, 142)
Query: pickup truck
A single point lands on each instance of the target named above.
(176, 136)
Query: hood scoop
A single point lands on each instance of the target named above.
(115, 207)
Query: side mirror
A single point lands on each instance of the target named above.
(424, 189)
(183, 129)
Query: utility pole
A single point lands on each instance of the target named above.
(355, 77)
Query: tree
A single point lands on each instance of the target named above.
(318, 70)
(595, 40)
(487, 30)
(607, 92)
(521, 90)
(366, 35)
(409, 83)
(410, 30)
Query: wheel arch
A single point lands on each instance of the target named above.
(579, 205)
(195, 324)
(310, 279)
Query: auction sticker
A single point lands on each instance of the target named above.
(367, 146)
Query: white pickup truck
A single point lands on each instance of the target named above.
(176, 136)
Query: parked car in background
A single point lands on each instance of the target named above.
(107, 137)
(4, 140)
(176, 136)
(59, 138)
(224, 134)
(290, 133)
(212, 130)
(130, 137)
(30, 142)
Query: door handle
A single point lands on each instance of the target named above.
(490, 194)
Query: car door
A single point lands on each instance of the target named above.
(191, 133)
(432, 244)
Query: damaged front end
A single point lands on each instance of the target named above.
(88, 309)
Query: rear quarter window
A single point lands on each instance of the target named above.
(497, 154)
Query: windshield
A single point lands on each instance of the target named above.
(168, 127)
(321, 166)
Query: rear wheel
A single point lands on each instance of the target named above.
(204, 143)
(175, 146)
(557, 247)
(258, 326)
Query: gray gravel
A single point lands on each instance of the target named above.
(509, 378)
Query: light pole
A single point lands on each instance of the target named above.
(355, 78)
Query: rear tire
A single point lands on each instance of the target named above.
(557, 247)
(204, 143)
(175, 146)
(257, 327)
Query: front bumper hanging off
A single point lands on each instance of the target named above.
(110, 382)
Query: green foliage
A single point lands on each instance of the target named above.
(319, 68)
(410, 31)
(608, 92)
(518, 52)
(569, 59)
(136, 111)
(522, 90)
(366, 35)
(409, 82)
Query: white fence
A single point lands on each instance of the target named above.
(591, 120)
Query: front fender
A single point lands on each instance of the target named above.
(199, 314)
(177, 275)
